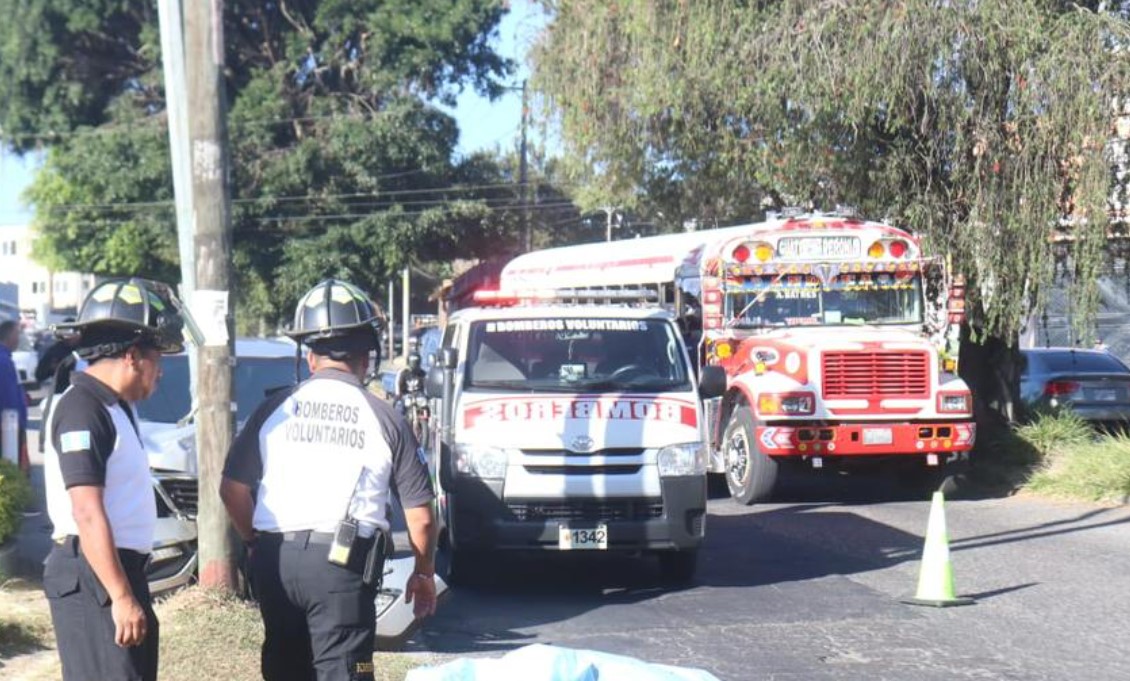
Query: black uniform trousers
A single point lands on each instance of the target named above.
(319, 618)
(84, 627)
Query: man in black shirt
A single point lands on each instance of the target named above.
(324, 459)
(99, 489)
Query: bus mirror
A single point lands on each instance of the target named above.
(448, 358)
(711, 382)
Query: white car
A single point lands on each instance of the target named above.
(26, 360)
(262, 366)
(169, 436)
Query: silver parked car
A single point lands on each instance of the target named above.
(1091, 383)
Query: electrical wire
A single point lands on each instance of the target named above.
(311, 198)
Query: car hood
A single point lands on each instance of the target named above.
(170, 447)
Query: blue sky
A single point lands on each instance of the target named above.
(482, 124)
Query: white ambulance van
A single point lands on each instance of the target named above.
(568, 428)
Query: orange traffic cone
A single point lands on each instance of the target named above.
(935, 579)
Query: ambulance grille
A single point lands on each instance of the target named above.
(862, 375)
(620, 509)
(614, 451)
(612, 469)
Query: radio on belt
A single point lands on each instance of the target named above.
(345, 534)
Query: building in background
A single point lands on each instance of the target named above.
(44, 297)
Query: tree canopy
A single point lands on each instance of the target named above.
(981, 125)
(342, 162)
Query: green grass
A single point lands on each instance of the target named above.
(15, 494)
(1092, 471)
(1051, 433)
(1056, 455)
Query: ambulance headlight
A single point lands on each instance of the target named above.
(688, 459)
(481, 461)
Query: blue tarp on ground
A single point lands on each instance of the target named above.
(540, 662)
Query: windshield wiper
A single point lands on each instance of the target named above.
(502, 385)
(756, 300)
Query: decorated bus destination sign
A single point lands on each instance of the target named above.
(817, 247)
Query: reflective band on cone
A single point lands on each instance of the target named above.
(935, 579)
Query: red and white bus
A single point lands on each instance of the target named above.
(839, 337)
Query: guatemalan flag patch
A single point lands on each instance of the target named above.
(75, 441)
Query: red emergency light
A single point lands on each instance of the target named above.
(494, 297)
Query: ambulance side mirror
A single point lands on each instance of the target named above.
(711, 382)
(433, 383)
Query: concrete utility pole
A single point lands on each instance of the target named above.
(176, 107)
(391, 319)
(204, 60)
(405, 304)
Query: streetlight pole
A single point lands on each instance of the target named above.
(609, 211)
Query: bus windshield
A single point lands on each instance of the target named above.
(576, 355)
(804, 300)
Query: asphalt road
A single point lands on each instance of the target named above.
(809, 588)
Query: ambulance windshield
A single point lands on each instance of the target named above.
(804, 300)
(576, 354)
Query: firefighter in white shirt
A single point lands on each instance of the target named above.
(307, 485)
(98, 486)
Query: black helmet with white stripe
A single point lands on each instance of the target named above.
(121, 313)
(337, 319)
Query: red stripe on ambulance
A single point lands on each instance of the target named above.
(551, 409)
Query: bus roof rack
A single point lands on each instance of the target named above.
(786, 213)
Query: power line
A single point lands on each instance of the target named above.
(412, 214)
(307, 198)
(438, 210)
(154, 123)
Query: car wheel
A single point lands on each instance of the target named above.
(460, 567)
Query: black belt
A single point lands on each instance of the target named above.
(305, 537)
(129, 557)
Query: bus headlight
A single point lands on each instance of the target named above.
(687, 459)
(786, 404)
(955, 403)
(481, 461)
